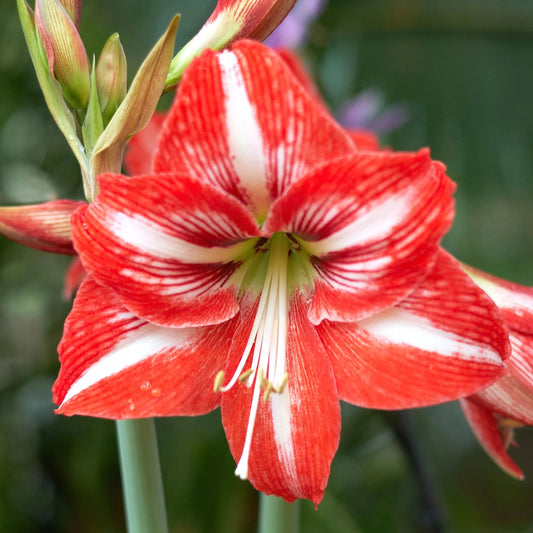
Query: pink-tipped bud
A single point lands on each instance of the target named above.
(42, 226)
(111, 77)
(231, 20)
(73, 8)
(65, 52)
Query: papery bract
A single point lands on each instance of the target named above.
(263, 264)
(497, 411)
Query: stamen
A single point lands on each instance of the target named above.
(219, 378)
(283, 384)
(269, 389)
(245, 375)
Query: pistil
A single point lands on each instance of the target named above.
(268, 340)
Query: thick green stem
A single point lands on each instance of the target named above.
(278, 516)
(141, 476)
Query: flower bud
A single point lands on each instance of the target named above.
(42, 226)
(231, 20)
(111, 77)
(73, 8)
(67, 58)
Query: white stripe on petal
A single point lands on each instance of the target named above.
(281, 418)
(401, 327)
(139, 345)
(150, 238)
(244, 134)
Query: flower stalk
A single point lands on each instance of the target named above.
(142, 485)
(278, 516)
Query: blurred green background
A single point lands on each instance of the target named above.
(464, 71)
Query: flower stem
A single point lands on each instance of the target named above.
(141, 476)
(278, 516)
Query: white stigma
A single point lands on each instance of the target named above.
(267, 340)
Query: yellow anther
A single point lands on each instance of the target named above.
(261, 378)
(245, 375)
(269, 389)
(509, 423)
(218, 381)
(283, 383)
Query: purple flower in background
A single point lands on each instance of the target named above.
(292, 31)
(367, 111)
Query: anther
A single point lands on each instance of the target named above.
(218, 381)
(245, 375)
(269, 389)
(283, 384)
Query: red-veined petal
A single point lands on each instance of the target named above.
(443, 342)
(74, 275)
(485, 428)
(371, 223)
(514, 300)
(141, 149)
(296, 433)
(242, 122)
(168, 245)
(116, 365)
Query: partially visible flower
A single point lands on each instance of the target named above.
(231, 20)
(497, 411)
(292, 31)
(65, 52)
(367, 111)
(265, 265)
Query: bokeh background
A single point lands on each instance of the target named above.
(463, 69)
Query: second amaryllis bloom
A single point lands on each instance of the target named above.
(265, 265)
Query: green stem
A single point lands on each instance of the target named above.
(278, 516)
(141, 476)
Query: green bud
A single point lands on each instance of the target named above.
(111, 77)
(65, 52)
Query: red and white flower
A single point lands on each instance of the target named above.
(265, 265)
(494, 413)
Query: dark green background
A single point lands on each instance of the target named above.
(464, 69)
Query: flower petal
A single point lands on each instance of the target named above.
(371, 223)
(141, 149)
(514, 300)
(232, 126)
(168, 245)
(296, 433)
(485, 427)
(115, 365)
(444, 341)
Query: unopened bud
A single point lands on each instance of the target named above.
(42, 226)
(111, 77)
(231, 20)
(65, 52)
(73, 8)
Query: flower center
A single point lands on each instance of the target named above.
(266, 346)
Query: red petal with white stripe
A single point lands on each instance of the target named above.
(371, 223)
(115, 365)
(296, 433)
(167, 244)
(486, 429)
(444, 341)
(515, 301)
(242, 122)
(141, 149)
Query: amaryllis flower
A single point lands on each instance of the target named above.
(497, 411)
(265, 265)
